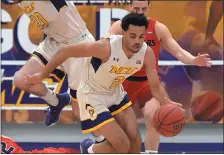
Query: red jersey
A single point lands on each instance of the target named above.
(152, 41)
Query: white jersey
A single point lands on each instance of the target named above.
(106, 77)
(59, 19)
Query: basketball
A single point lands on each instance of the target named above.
(169, 120)
(207, 107)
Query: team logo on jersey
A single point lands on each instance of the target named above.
(116, 59)
(150, 32)
(138, 62)
(91, 111)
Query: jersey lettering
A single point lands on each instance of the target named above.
(122, 70)
(117, 81)
(36, 18)
(28, 8)
(150, 42)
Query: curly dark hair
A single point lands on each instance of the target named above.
(134, 19)
(131, 1)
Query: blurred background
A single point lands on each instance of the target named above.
(200, 90)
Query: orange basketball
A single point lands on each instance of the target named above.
(169, 120)
(207, 107)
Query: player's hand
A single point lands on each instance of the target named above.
(202, 60)
(168, 101)
(34, 79)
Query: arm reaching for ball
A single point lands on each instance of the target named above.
(158, 92)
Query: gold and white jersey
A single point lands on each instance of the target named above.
(58, 19)
(106, 77)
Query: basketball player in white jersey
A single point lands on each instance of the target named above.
(104, 105)
(161, 37)
(61, 22)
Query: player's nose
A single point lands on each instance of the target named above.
(137, 41)
(140, 11)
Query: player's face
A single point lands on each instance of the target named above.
(134, 38)
(140, 7)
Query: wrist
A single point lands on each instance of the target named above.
(193, 61)
(162, 102)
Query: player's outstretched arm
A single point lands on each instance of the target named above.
(158, 92)
(173, 47)
(78, 50)
(97, 49)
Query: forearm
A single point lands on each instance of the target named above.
(215, 15)
(54, 62)
(159, 93)
(185, 57)
(174, 48)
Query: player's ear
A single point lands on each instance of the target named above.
(149, 6)
(130, 7)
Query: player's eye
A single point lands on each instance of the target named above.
(133, 37)
(142, 37)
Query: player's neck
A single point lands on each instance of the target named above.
(127, 52)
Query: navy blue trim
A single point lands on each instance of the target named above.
(125, 101)
(58, 4)
(60, 74)
(41, 57)
(96, 62)
(102, 117)
(73, 93)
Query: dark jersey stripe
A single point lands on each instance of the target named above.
(58, 4)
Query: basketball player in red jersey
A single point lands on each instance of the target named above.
(137, 85)
(9, 146)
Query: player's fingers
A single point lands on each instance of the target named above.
(209, 64)
(183, 109)
(167, 100)
(26, 74)
(178, 104)
(204, 55)
(208, 59)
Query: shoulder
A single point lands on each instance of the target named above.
(161, 30)
(159, 25)
(117, 23)
(116, 28)
(149, 56)
(149, 52)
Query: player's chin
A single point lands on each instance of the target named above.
(135, 50)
